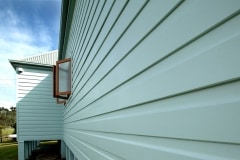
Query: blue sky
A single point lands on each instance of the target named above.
(27, 27)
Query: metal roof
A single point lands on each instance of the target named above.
(48, 58)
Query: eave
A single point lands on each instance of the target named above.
(24, 64)
(65, 24)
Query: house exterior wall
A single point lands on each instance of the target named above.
(153, 80)
(39, 117)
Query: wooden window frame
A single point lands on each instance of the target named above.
(61, 96)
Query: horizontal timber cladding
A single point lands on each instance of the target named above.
(39, 117)
(154, 79)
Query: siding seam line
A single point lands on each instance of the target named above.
(158, 61)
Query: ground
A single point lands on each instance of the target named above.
(49, 150)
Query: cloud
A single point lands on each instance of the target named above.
(20, 37)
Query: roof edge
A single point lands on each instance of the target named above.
(65, 23)
(41, 54)
(18, 63)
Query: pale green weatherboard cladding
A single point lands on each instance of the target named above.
(39, 117)
(153, 80)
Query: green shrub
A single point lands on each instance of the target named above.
(7, 131)
(4, 134)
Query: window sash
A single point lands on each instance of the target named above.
(64, 67)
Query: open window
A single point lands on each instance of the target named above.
(62, 80)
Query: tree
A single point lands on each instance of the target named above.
(8, 118)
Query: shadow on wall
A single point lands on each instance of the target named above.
(39, 117)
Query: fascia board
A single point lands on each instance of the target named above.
(65, 25)
(24, 64)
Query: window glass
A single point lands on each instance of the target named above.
(62, 80)
(64, 77)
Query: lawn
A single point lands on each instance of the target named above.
(9, 151)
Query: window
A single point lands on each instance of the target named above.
(62, 80)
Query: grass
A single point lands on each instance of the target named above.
(47, 142)
(9, 151)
